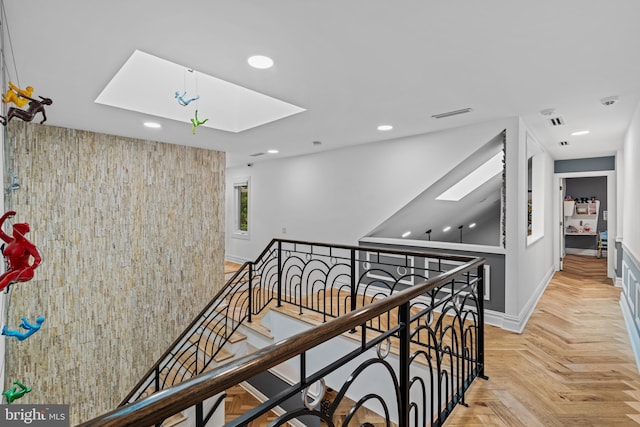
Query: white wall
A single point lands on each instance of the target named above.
(339, 196)
(529, 263)
(629, 232)
(631, 190)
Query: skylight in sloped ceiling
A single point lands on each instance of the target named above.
(147, 84)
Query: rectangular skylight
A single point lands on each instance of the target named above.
(148, 84)
(475, 179)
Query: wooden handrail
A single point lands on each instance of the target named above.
(157, 407)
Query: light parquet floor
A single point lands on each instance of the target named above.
(572, 365)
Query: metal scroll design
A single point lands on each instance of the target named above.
(425, 343)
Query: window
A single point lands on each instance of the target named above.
(241, 208)
(535, 190)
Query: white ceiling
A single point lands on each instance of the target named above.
(152, 85)
(352, 64)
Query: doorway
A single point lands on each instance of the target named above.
(585, 214)
(583, 222)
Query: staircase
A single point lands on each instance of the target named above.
(405, 313)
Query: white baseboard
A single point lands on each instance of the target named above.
(518, 323)
(634, 335)
(493, 318)
(617, 282)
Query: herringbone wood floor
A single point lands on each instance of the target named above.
(572, 365)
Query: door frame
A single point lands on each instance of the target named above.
(612, 206)
(562, 189)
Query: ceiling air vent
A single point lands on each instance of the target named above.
(556, 121)
(256, 154)
(452, 113)
(563, 143)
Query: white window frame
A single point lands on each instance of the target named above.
(237, 185)
(536, 154)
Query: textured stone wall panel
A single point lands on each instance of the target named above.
(132, 238)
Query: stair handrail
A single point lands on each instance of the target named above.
(159, 406)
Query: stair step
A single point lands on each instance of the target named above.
(230, 312)
(148, 392)
(189, 361)
(173, 376)
(259, 328)
(237, 337)
(218, 329)
(209, 348)
(174, 420)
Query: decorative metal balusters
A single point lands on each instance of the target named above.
(411, 321)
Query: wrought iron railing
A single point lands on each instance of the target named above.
(417, 317)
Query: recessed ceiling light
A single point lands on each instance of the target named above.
(250, 108)
(547, 111)
(447, 228)
(473, 224)
(580, 132)
(260, 61)
(153, 125)
(385, 127)
(406, 233)
(272, 151)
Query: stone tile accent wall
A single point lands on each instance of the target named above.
(132, 238)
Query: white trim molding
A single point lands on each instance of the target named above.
(519, 322)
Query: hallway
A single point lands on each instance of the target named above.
(572, 365)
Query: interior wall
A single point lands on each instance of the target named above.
(631, 191)
(339, 196)
(529, 261)
(630, 239)
(132, 237)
